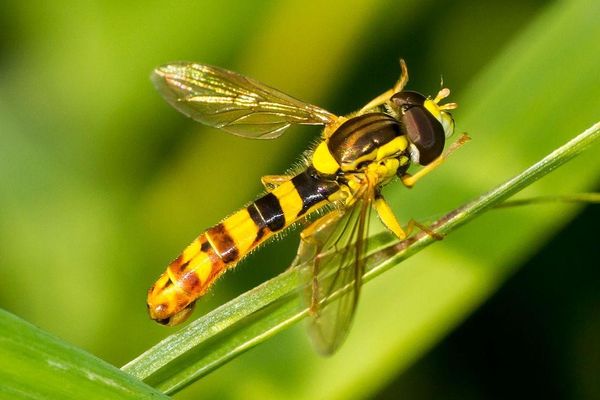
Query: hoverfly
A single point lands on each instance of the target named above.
(341, 182)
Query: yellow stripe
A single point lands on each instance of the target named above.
(191, 250)
(395, 146)
(323, 161)
(433, 108)
(202, 266)
(289, 200)
(242, 231)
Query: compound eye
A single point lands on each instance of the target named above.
(404, 100)
(425, 132)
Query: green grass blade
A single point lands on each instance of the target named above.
(37, 365)
(592, 198)
(235, 327)
(218, 336)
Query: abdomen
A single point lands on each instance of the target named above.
(221, 247)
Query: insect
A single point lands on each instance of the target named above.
(357, 154)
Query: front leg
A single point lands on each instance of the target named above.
(409, 180)
(385, 96)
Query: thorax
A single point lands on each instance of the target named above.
(365, 147)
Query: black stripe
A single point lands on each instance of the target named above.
(260, 224)
(312, 189)
(270, 211)
(205, 246)
(224, 244)
(177, 266)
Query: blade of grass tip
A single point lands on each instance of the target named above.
(258, 314)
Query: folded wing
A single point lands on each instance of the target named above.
(232, 102)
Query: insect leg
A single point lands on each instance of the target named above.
(403, 80)
(409, 180)
(272, 181)
(388, 218)
(385, 96)
(412, 224)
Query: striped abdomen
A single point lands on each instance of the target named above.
(221, 247)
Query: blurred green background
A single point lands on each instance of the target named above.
(102, 184)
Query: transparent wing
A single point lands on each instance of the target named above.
(331, 258)
(238, 104)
